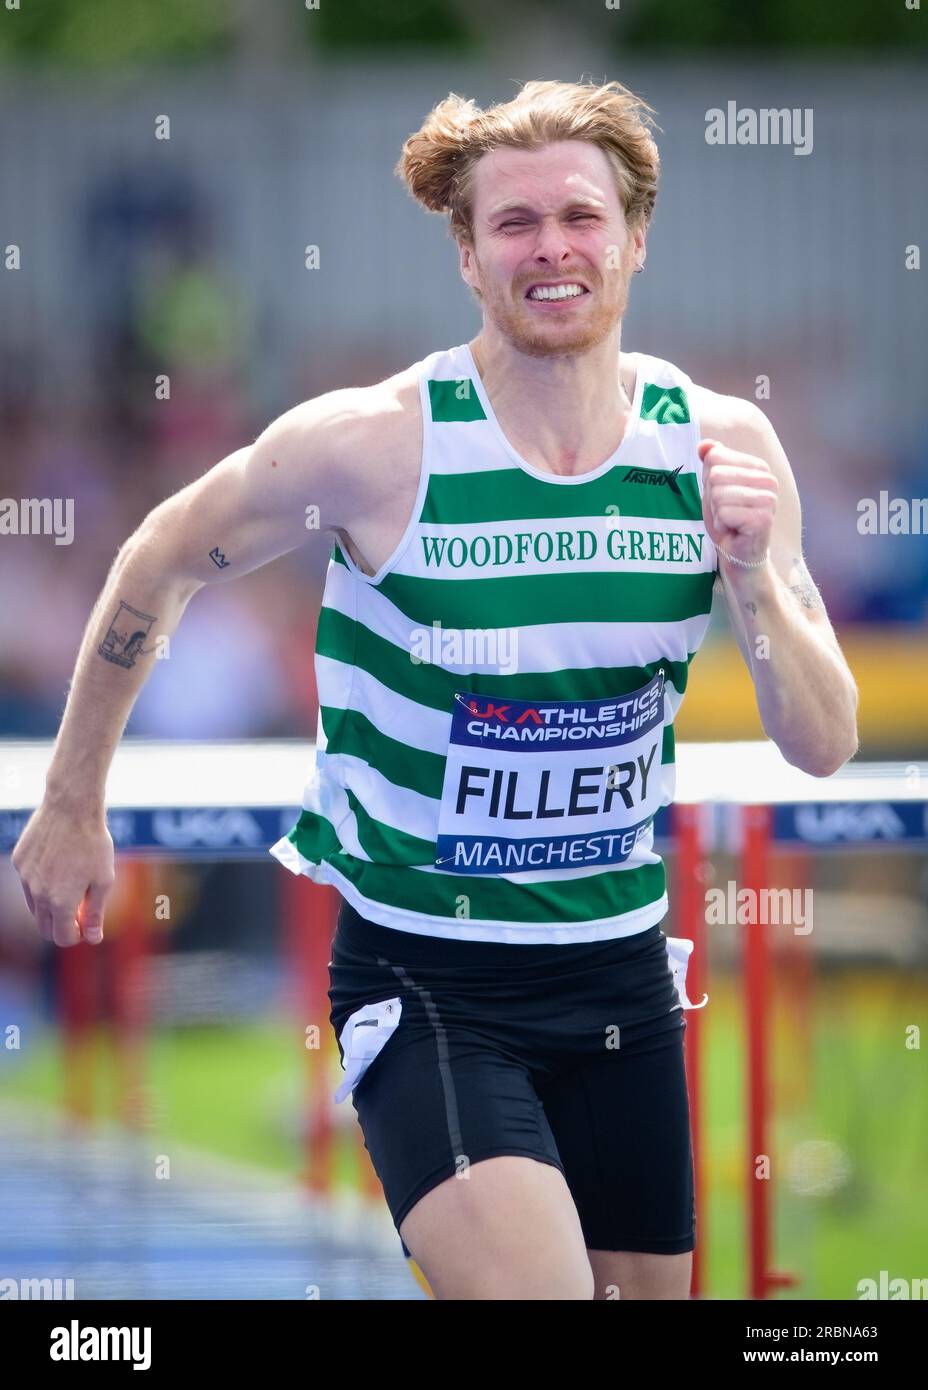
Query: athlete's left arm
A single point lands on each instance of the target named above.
(806, 694)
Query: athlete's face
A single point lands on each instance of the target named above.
(547, 216)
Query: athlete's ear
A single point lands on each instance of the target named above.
(467, 264)
(638, 234)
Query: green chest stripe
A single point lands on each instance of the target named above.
(603, 895)
(509, 494)
(551, 598)
(342, 639)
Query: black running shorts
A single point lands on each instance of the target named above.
(570, 1054)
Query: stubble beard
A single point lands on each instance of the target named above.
(512, 321)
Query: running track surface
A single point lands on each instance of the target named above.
(88, 1207)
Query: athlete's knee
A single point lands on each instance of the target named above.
(633, 1275)
(525, 1283)
(517, 1279)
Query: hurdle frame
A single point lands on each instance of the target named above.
(247, 795)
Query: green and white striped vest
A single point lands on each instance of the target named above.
(478, 774)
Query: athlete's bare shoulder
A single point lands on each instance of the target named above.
(343, 426)
(741, 425)
(732, 420)
(371, 439)
(385, 469)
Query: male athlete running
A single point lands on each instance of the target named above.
(528, 529)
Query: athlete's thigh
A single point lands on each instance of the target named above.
(621, 1125)
(507, 1228)
(435, 1102)
(469, 1167)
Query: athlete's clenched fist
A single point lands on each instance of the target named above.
(66, 867)
(739, 500)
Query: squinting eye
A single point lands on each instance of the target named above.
(514, 223)
(583, 216)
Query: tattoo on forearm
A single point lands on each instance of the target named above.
(125, 635)
(751, 606)
(218, 558)
(805, 590)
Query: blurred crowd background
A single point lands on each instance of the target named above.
(186, 256)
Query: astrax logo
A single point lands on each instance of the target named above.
(655, 477)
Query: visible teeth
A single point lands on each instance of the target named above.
(556, 291)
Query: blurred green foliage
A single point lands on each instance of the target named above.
(374, 24)
(771, 26)
(115, 33)
(120, 33)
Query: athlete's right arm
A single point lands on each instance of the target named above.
(247, 510)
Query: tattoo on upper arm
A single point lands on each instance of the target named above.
(805, 590)
(218, 558)
(125, 635)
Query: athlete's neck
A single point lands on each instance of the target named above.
(565, 414)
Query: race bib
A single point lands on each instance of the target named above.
(549, 784)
